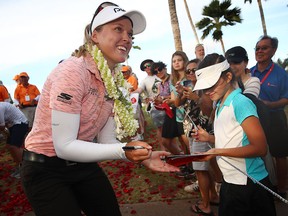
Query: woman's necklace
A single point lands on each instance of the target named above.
(117, 90)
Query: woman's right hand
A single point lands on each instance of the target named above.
(138, 155)
(189, 94)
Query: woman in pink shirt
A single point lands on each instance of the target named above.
(81, 117)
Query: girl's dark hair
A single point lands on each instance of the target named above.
(211, 59)
(215, 58)
(196, 61)
(157, 65)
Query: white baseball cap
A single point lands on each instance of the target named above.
(208, 76)
(110, 13)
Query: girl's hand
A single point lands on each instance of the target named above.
(210, 154)
(200, 134)
(155, 162)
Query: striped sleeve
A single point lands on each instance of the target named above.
(252, 86)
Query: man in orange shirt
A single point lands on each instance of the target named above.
(133, 81)
(127, 73)
(4, 95)
(26, 97)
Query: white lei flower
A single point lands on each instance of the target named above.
(126, 125)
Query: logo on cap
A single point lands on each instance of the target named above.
(116, 10)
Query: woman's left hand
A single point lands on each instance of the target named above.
(155, 162)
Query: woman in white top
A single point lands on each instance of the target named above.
(238, 60)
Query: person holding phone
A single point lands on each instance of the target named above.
(198, 111)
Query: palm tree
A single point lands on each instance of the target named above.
(218, 15)
(283, 64)
(191, 21)
(261, 15)
(175, 25)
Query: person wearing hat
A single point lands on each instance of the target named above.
(4, 94)
(131, 79)
(83, 98)
(26, 97)
(161, 110)
(198, 111)
(237, 57)
(274, 93)
(239, 142)
(149, 83)
(149, 86)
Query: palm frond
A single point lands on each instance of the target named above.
(217, 35)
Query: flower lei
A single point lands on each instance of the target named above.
(116, 86)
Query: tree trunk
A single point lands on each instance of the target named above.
(222, 45)
(191, 21)
(175, 25)
(262, 17)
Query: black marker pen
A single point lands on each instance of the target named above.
(126, 148)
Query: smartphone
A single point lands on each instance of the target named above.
(187, 83)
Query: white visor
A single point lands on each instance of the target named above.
(111, 13)
(208, 76)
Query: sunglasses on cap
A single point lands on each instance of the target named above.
(189, 71)
(235, 61)
(146, 66)
(100, 8)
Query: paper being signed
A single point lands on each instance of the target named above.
(178, 160)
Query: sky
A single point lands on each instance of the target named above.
(37, 34)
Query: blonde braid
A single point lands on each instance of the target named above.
(82, 51)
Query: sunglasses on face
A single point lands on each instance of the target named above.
(100, 8)
(189, 71)
(159, 70)
(146, 66)
(262, 48)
